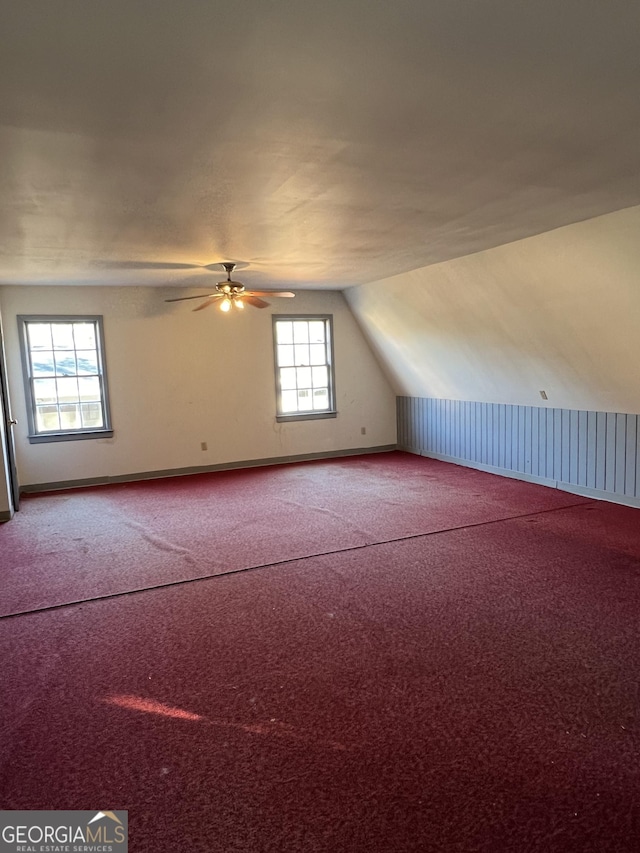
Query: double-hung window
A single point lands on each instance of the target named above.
(305, 386)
(65, 378)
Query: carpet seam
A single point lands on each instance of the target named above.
(183, 582)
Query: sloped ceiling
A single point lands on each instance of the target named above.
(319, 144)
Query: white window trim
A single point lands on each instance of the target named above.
(331, 412)
(34, 436)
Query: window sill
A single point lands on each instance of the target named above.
(305, 416)
(46, 438)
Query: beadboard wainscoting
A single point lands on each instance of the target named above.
(596, 454)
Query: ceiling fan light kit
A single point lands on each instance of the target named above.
(231, 293)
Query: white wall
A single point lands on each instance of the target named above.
(179, 378)
(558, 312)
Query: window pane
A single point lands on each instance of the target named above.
(62, 335)
(65, 363)
(44, 391)
(67, 390)
(284, 332)
(316, 331)
(87, 361)
(89, 388)
(288, 377)
(42, 364)
(47, 418)
(305, 400)
(320, 377)
(301, 332)
(289, 401)
(91, 415)
(321, 399)
(301, 354)
(317, 354)
(304, 377)
(285, 355)
(85, 335)
(70, 417)
(40, 336)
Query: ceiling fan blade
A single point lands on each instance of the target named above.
(210, 301)
(199, 296)
(270, 293)
(253, 300)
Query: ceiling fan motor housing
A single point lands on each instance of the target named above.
(230, 287)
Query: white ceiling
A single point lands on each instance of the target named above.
(322, 144)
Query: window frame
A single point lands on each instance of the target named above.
(331, 411)
(35, 437)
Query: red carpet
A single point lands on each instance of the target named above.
(474, 690)
(86, 543)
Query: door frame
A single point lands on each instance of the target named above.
(8, 423)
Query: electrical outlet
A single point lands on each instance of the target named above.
(203, 445)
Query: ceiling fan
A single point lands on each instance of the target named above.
(230, 293)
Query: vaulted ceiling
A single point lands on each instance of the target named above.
(318, 144)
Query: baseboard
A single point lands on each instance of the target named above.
(201, 469)
(598, 494)
(583, 491)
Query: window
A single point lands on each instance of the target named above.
(304, 367)
(65, 381)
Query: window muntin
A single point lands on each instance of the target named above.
(63, 359)
(304, 367)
